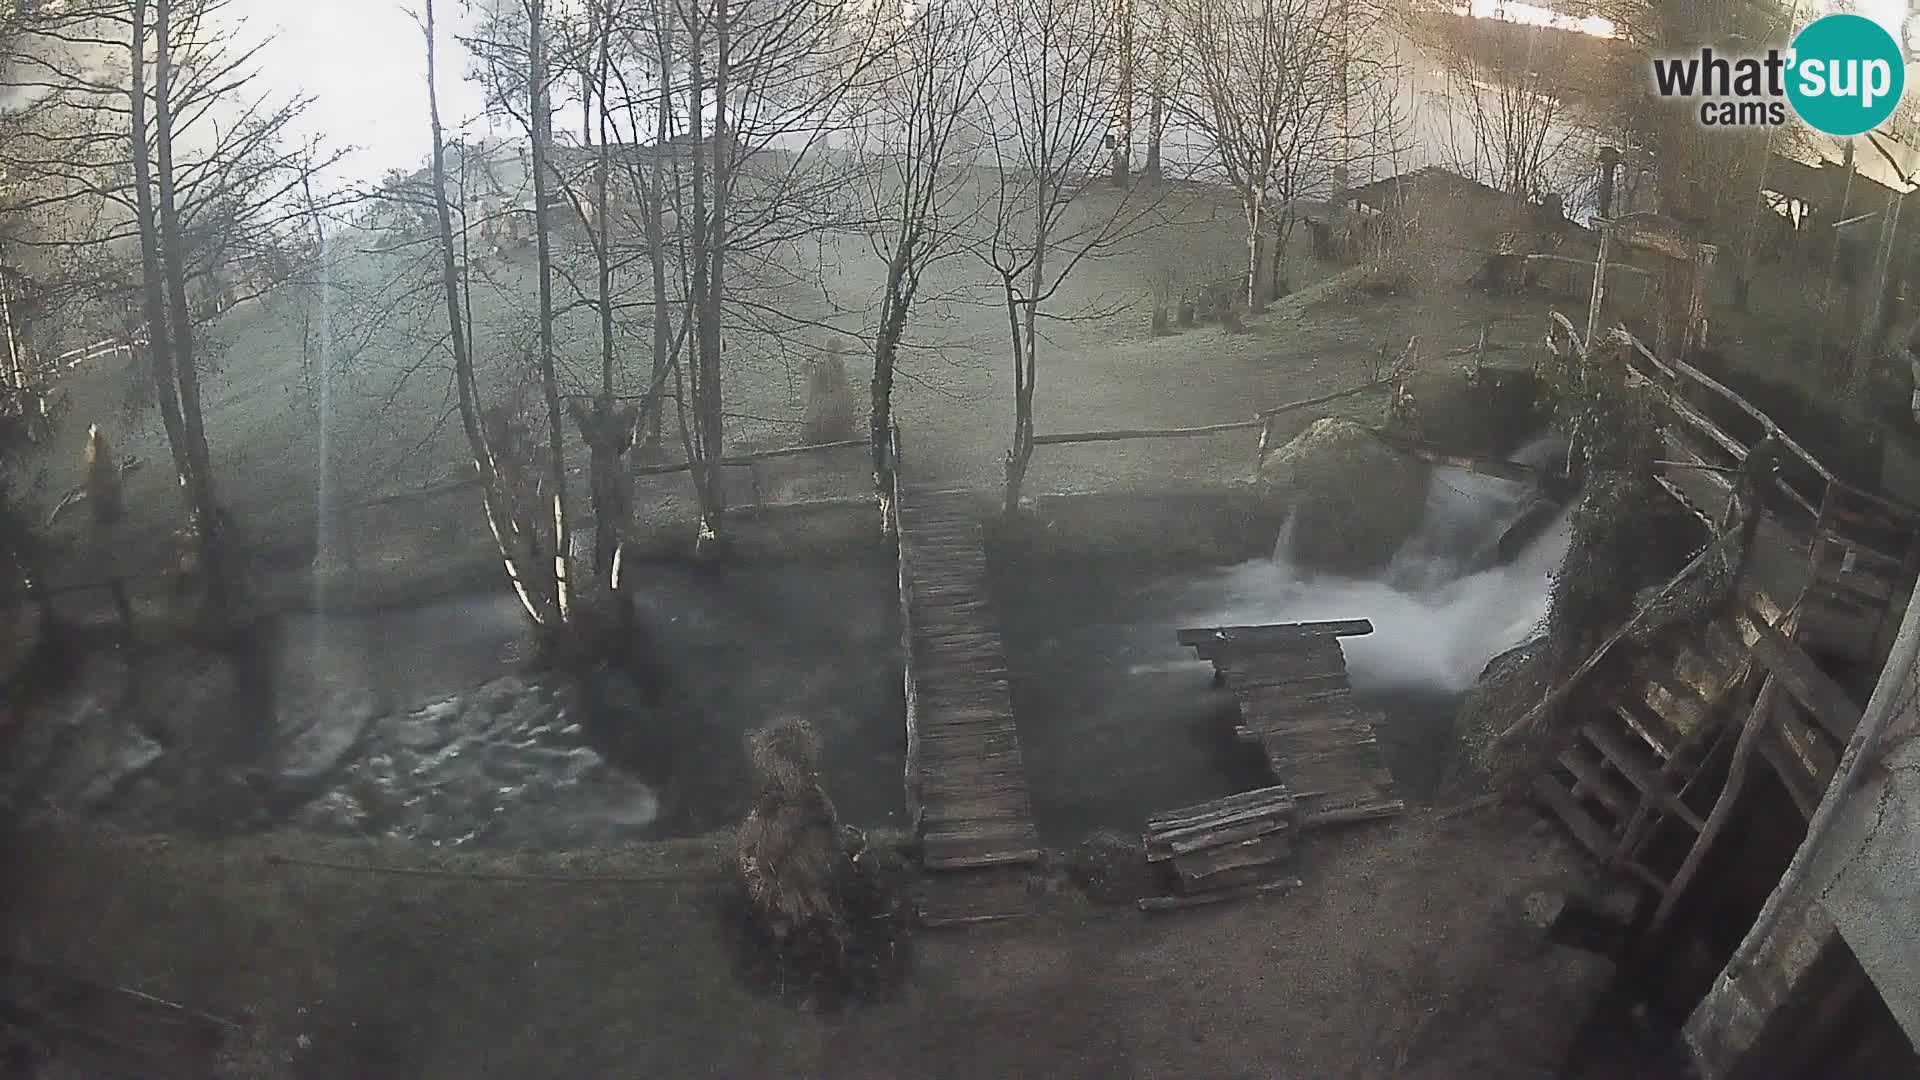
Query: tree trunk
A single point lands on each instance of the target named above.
(1123, 116)
(894, 304)
(16, 362)
(710, 413)
(1022, 450)
(703, 459)
(539, 605)
(606, 444)
(542, 125)
(652, 404)
(159, 341)
(1276, 279)
(209, 522)
(1022, 319)
(1256, 250)
(1156, 126)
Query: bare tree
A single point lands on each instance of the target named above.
(932, 76)
(143, 134)
(741, 100)
(1047, 107)
(1516, 131)
(1264, 83)
(533, 583)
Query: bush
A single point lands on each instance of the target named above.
(819, 915)
(1616, 439)
(831, 407)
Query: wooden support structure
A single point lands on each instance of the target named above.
(1225, 844)
(966, 782)
(1296, 703)
(1474, 463)
(1290, 680)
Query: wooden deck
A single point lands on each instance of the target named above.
(1297, 704)
(966, 784)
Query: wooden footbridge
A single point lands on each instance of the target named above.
(966, 784)
(1297, 705)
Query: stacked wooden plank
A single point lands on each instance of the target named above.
(1221, 849)
(1297, 704)
(967, 787)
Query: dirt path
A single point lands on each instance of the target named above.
(1408, 952)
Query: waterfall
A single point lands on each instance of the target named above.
(1440, 609)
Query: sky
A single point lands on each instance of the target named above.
(364, 64)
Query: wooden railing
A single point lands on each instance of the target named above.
(1263, 421)
(905, 580)
(1670, 377)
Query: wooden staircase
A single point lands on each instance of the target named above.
(1663, 755)
(1633, 762)
(1862, 562)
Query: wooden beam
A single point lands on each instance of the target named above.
(1680, 368)
(1188, 815)
(1273, 634)
(1640, 613)
(1811, 687)
(736, 460)
(1489, 466)
(1717, 819)
(1306, 403)
(1143, 433)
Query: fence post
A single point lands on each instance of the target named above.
(1599, 291)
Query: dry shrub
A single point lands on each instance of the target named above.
(819, 918)
(1161, 294)
(790, 856)
(831, 408)
(1381, 278)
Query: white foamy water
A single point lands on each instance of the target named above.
(1440, 609)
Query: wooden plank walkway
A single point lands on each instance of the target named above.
(1297, 704)
(967, 786)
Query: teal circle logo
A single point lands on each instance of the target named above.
(1845, 74)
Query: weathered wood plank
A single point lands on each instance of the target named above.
(1188, 815)
(1158, 851)
(1274, 813)
(1594, 781)
(1591, 834)
(1372, 810)
(1203, 868)
(1803, 679)
(968, 772)
(1273, 634)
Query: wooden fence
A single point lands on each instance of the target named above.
(1672, 378)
